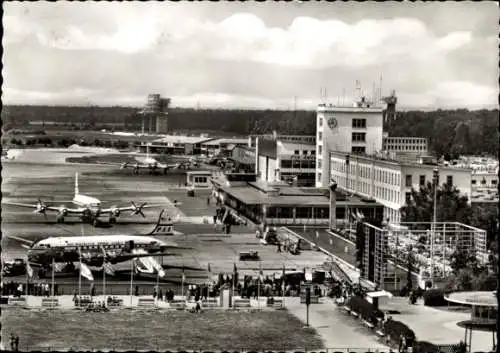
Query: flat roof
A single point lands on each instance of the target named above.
(201, 172)
(226, 140)
(182, 139)
(300, 145)
(478, 298)
(257, 193)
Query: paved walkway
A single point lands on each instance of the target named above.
(337, 329)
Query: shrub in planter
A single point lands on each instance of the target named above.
(434, 297)
(364, 309)
(394, 329)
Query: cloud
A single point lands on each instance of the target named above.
(116, 52)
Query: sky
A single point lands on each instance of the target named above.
(251, 55)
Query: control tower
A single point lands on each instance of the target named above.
(155, 114)
(390, 111)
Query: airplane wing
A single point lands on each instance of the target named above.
(136, 209)
(22, 240)
(41, 208)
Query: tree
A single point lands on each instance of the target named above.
(409, 267)
(451, 206)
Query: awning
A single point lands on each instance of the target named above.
(379, 294)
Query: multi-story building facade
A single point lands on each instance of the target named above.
(277, 160)
(390, 181)
(356, 129)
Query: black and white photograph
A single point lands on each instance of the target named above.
(250, 176)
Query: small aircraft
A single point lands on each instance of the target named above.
(89, 210)
(153, 165)
(101, 250)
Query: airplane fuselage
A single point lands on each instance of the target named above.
(87, 201)
(91, 248)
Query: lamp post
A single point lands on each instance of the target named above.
(347, 166)
(333, 204)
(435, 177)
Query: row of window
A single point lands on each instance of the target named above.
(304, 152)
(484, 182)
(406, 140)
(358, 137)
(422, 180)
(200, 179)
(298, 163)
(384, 176)
(356, 123)
(405, 148)
(300, 212)
(380, 192)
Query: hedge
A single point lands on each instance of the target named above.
(434, 297)
(394, 329)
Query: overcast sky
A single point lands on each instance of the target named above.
(250, 55)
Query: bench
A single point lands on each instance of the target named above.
(314, 299)
(146, 303)
(17, 301)
(241, 303)
(83, 301)
(177, 304)
(275, 303)
(210, 303)
(368, 324)
(50, 302)
(114, 301)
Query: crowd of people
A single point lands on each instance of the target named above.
(16, 289)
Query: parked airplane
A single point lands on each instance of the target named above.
(89, 210)
(101, 250)
(152, 164)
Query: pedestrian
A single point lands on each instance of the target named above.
(136, 290)
(12, 342)
(279, 246)
(215, 219)
(208, 201)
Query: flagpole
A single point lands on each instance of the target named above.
(283, 286)
(182, 283)
(80, 276)
(131, 281)
(104, 281)
(258, 285)
(53, 265)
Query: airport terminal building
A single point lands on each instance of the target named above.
(279, 204)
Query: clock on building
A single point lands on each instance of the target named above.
(332, 123)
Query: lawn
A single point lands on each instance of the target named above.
(147, 330)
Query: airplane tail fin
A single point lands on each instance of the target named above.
(164, 226)
(77, 191)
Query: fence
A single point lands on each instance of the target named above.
(201, 349)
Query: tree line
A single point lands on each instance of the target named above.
(450, 132)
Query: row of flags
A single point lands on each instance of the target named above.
(84, 270)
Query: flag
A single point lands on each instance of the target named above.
(85, 272)
(183, 275)
(235, 269)
(317, 234)
(209, 269)
(108, 268)
(261, 273)
(29, 270)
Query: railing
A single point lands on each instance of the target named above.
(158, 348)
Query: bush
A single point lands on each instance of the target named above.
(434, 297)
(394, 329)
(425, 347)
(364, 309)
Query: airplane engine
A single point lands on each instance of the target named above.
(129, 247)
(63, 211)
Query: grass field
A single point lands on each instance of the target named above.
(143, 330)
